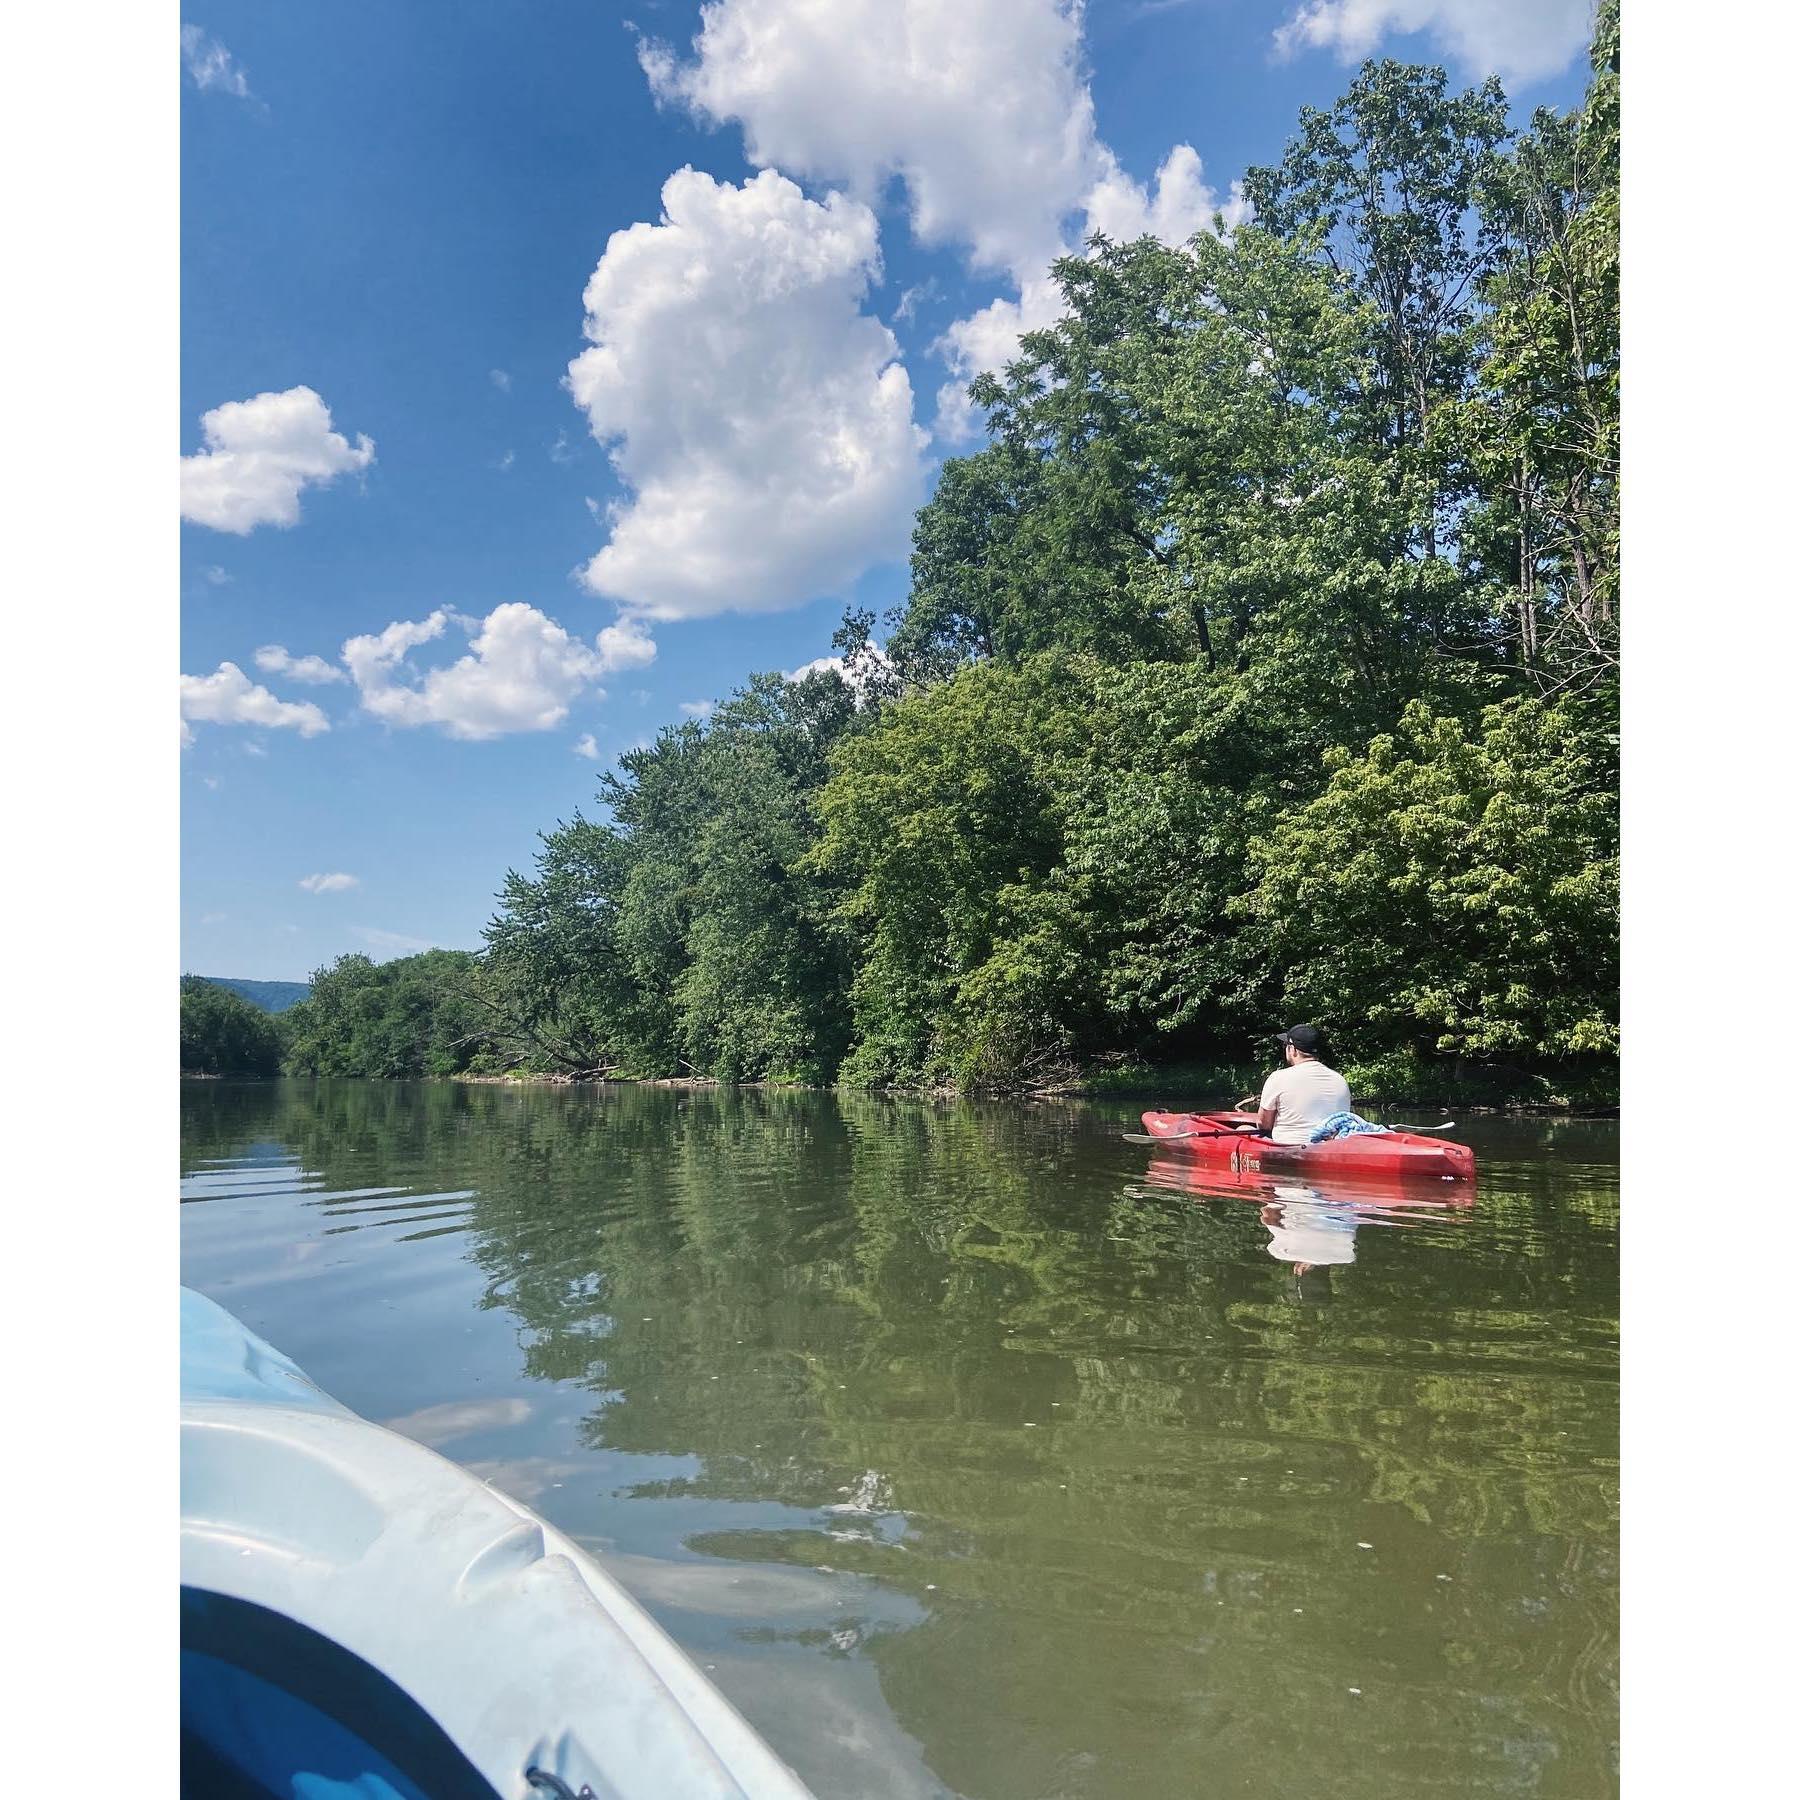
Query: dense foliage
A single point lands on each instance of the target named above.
(1262, 662)
(689, 932)
(224, 1034)
(417, 1015)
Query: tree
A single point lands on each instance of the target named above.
(1450, 892)
(686, 934)
(414, 1016)
(224, 1034)
(1541, 429)
(564, 995)
(941, 823)
(1186, 466)
(766, 987)
(1386, 183)
(1051, 535)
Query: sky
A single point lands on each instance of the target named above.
(549, 368)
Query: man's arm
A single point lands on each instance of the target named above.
(1265, 1117)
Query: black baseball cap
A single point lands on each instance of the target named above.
(1305, 1038)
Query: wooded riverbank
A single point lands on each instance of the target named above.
(1518, 1092)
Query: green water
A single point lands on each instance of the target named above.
(969, 1450)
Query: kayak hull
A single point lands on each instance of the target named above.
(1229, 1140)
(1388, 1194)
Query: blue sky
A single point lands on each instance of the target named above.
(466, 605)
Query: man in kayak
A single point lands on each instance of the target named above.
(1298, 1099)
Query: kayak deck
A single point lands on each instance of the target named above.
(360, 1615)
(1230, 1140)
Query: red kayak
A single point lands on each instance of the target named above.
(1230, 1140)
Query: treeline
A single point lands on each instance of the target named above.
(1262, 664)
(416, 1016)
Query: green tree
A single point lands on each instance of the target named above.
(1386, 183)
(1541, 428)
(414, 1016)
(765, 989)
(224, 1034)
(942, 823)
(1450, 892)
(687, 933)
(565, 997)
(1187, 466)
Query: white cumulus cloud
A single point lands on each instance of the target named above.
(981, 108)
(1518, 40)
(521, 672)
(585, 746)
(626, 645)
(259, 454)
(1176, 206)
(314, 671)
(230, 697)
(211, 65)
(760, 420)
(335, 883)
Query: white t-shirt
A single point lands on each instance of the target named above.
(1304, 1096)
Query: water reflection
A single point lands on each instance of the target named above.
(1312, 1225)
(974, 1456)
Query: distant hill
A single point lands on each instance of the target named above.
(271, 996)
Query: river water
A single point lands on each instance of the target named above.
(973, 1450)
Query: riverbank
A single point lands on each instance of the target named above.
(1389, 1081)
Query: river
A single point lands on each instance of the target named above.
(973, 1450)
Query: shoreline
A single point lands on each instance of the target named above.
(1175, 1089)
(1200, 1096)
